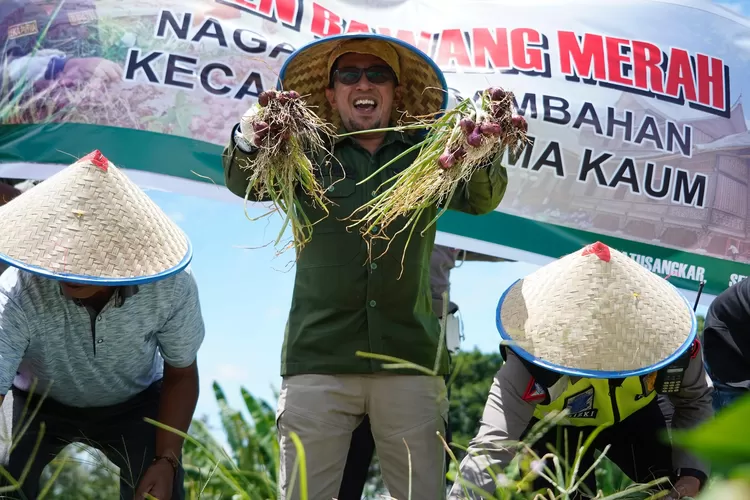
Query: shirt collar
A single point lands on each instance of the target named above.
(390, 137)
(121, 294)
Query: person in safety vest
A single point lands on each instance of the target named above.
(596, 336)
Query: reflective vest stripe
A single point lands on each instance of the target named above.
(590, 403)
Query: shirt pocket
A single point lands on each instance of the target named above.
(333, 242)
(341, 203)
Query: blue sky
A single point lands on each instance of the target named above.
(245, 293)
(739, 6)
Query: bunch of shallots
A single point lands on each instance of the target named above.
(464, 139)
(482, 131)
(285, 131)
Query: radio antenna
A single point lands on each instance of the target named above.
(698, 297)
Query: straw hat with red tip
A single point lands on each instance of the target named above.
(90, 224)
(596, 313)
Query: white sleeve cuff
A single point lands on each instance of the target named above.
(240, 141)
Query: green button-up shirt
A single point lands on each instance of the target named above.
(343, 303)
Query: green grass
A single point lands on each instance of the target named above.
(246, 468)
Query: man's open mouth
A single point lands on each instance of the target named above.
(365, 104)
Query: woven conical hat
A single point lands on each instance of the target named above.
(596, 313)
(425, 91)
(90, 224)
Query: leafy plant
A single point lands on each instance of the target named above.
(724, 440)
(249, 468)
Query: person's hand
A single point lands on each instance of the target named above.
(7, 193)
(686, 486)
(158, 481)
(78, 71)
(247, 134)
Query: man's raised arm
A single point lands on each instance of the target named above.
(237, 159)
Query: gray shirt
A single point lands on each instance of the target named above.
(442, 261)
(87, 359)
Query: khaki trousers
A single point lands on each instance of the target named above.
(324, 410)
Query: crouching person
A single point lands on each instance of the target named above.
(598, 336)
(100, 325)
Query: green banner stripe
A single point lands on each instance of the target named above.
(126, 148)
(556, 241)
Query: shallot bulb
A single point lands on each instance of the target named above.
(475, 138)
(497, 111)
(266, 96)
(260, 129)
(519, 122)
(491, 128)
(449, 158)
(467, 125)
(446, 160)
(498, 94)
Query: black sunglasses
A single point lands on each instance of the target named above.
(375, 74)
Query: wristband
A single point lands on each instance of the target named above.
(699, 475)
(172, 461)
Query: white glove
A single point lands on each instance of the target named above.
(244, 135)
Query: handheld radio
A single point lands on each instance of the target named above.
(669, 378)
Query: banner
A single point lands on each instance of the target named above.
(635, 108)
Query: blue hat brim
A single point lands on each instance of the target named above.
(597, 374)
(102, 281)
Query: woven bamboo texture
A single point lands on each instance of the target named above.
(423, 93)
(89, 222)
(581, 312)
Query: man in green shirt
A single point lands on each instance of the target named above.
(342, 302)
